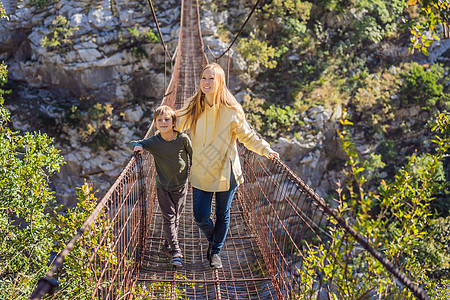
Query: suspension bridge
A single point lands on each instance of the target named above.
(275, 217)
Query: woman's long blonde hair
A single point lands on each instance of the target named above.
(222, 96)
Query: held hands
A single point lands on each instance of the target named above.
(274, 155)
(138, 149)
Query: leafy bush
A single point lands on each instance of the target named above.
(379, 18)
(92, 121)
(257, 53)
(434, 250)
(425, 33)
(254, 111)
(135, 38)
(409, 84)
(279, 119)
(3, 80)
(2, 11)
(292, 9)
(440, 290)
(423, 85)
(32, 226)
(369, 20)
(375, 94)
(286, 21)
(441, 205)
(60, 34)
(369, 29)
(372, 165)
(270, 119)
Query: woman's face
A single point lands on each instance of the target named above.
(208, 82)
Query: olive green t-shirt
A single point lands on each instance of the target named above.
(171, 159)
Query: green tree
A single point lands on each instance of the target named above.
(368, 20)
(32, 226)
(27, 160)
(286, 21)
(423, 86)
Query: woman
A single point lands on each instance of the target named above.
(215, 120)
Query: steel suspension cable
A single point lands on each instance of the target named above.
(239, 33)
(159, 30)
(167, 54)
(234, 40)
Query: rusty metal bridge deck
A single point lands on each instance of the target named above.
(243, 275)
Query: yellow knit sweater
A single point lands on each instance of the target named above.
(214, 147)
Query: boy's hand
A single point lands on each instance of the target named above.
(138, 149)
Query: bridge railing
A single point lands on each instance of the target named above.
(307, 247)
(113, 235)
(291, 224)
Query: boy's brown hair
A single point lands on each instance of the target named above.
(164, 109)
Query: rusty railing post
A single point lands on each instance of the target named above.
(143, 208)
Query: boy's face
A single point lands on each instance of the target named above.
(164, 123)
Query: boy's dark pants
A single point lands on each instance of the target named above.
(172, 204)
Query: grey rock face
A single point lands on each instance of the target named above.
(102, 57)
(309, 155)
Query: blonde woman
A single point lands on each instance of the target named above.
(215, 120)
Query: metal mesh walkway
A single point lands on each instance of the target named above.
(243, 276)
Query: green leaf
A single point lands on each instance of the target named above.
(359, 170)
(428, 43)
(435, 37)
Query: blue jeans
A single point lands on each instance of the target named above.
(215, 233)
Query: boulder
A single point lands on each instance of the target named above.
(133, 115)
(292, 149)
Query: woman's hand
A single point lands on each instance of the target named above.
(274, 155)
(138, 149)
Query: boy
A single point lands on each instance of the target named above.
(172, 151)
